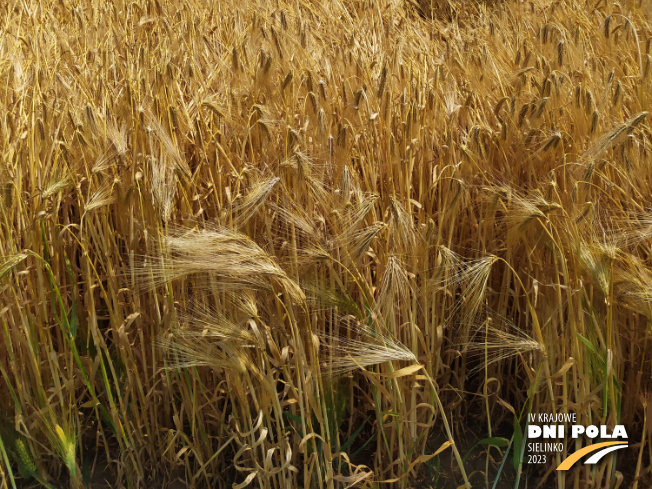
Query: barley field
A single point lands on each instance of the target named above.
(323, 244)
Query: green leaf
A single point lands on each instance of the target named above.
(355, 454)
(588, 344)
(346, 444)
(518, 444)
(108, 419)
(494, 441)
(72, 326)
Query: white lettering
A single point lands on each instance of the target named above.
(619, 431)
(592, 431)
(533, 431)
(549, 431)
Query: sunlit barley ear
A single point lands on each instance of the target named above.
(633, 229)
(308, 172)
(163, 185)
(168, 150)
(222, 259)
(451, 103)
(353, 215)
(352, 239)
(453, 270)
(207, 338)
(103, 161)
(118, 138)
(470, 277)
(524, 210)
(612, 138)
(596, 259)
(255, 198)
(346, 185)
(474, 289)
(446, 266)
(357, 244)
(245, 302)
(394, 289)
(201, 320)
(366, 346)
(189, 351)
(292, 215)
(402, 227)
(115, 148)
(494, 340)
(633, 285)
(100, 198)
(165, 168)
(59, 182)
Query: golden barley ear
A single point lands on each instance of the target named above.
(223, 259)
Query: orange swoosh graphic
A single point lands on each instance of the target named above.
(570, 461)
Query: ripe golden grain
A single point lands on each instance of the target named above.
(243, 242)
